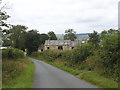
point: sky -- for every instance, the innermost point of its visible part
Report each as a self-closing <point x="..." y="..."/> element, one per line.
<point x="83" y="16"/>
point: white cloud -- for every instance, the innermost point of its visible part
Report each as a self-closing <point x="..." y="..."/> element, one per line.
<point x="58" y="15"/>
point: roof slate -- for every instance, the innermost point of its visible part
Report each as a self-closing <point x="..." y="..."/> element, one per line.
<point x="62" y="42"/>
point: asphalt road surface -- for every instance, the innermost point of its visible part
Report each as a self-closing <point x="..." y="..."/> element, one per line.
<point x="47" y="76"/>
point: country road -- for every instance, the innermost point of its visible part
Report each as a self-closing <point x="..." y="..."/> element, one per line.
<point x="47" y="76"/>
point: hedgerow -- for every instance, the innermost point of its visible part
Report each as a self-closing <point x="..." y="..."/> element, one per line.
<point x="12" y="53"/>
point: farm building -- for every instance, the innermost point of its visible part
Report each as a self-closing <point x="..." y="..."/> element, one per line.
<point x="61" y="44"/>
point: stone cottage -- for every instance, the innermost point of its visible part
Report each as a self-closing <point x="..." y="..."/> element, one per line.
<point x="61" y="44"/>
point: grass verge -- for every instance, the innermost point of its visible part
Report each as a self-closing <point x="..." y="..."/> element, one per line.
<point x="22" y="79"/>
<point x="98" y="80"/>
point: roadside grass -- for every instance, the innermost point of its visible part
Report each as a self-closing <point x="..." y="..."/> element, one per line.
<point x="18" y="73"/>
<point x="98" y="80"/>
<point x="92" y="77"/>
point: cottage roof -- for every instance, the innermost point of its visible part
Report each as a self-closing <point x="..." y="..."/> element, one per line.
<point x="62" y="42"/>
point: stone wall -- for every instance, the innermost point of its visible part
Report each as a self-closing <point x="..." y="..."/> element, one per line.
<point x="52" y="47"/>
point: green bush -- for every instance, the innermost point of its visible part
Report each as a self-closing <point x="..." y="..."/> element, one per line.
<point x="12" y="53"/>
<point x="109" y="54"/>
<point x="51" y="55"/>
<point x="78" y="55"/>
<point x="35" y="54"/>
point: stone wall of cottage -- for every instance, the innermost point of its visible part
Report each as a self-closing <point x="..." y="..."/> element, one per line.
<point x="52" y="47"/>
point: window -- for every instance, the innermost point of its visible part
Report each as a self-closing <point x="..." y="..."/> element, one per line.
<point x="48" y="47"/>
<point x="60" y="47"/>
<point x="41" y="50"/>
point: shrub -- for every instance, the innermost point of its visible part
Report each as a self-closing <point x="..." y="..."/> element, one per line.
<point x="35" y="54"/>
<point x="12" y="53"/>
<point x="109" y="54"/>
<point x="81" y="53"/>
<point x="51" y="55"/>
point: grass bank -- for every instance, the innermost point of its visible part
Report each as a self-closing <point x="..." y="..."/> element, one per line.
<point x="91" y="77"/>
<point x="18" y="73"/>
<point x="98" y="80"/>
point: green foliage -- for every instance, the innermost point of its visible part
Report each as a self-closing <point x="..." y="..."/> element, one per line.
<point x="12" y="53"/>
<point x="82" y="52"/>
<point x="94" y="39"/>
<point x="94" y="63"/>
<point x="103" y="60"/>
<point x="43" y="37"/>
<point x="3" y="18"/>
<point x="52" y="35"/>
<point x="51" y="55"/>
<point x="18" y="73"/>
<point x="109" y="53"/>
<point x="35" y="54"/>
<point x="15" y="36"/>
<point x="32" y="41"/>
<point x="70" y="35"/>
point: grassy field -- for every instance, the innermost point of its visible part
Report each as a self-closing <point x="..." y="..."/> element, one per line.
<point x="18" y="73"/>
<point x="91" y="77"/>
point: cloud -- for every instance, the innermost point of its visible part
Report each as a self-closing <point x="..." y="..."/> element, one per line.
<point x="58" y="15"/>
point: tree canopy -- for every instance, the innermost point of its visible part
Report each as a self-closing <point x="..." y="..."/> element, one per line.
<point x="52" y="35"/>
<point x="70" y="35"/>
<point x="32" y="41"/>
<point x="94" y="39"/>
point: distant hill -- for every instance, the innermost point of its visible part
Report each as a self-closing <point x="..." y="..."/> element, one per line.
<point x="81" y="36"/>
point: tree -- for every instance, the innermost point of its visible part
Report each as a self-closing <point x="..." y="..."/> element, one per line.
<point x="112" y="31"/>
<point x="32" y="41"/>
<point x="3" y="17"/>
<point x="103" y="33"/>
<point x="17" y="35"/>
<point x="43" y="37"/>
<point x="52" y="35"/>
<point x="94" y="39"/>
<point x="109" y="53"/>
<point x="70" y="35"/>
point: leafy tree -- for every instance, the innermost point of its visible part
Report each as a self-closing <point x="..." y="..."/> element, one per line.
<point x="112" y="31"/>
<point x="17" y="35"/>
<point x="94" y="39"/>
<point x="3" y="17"/>
<point x="70" y="35"/>
<point x="110" y="54"/>
<point x="52" y="35"/>
<point x="32" y="41"/>
<point x="43" y="37"/>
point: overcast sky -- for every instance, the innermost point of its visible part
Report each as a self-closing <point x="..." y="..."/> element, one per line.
<point x="83" y="16"/>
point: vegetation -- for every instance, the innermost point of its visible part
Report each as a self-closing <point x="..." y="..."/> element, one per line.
<point x="99" y="56"/>
<point x="3" y="18"/>
<point x="101" y="81"/>
<point x="52" y="35"/>
<point x="102" y="61"/>
<point x="94" y="39"/>
<point x="32" y="41"/>
<point x="17" y="35"/>
<point x="70" y="35"/>
<point x="17" y="73"/>
<point x="12" y="53"/>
